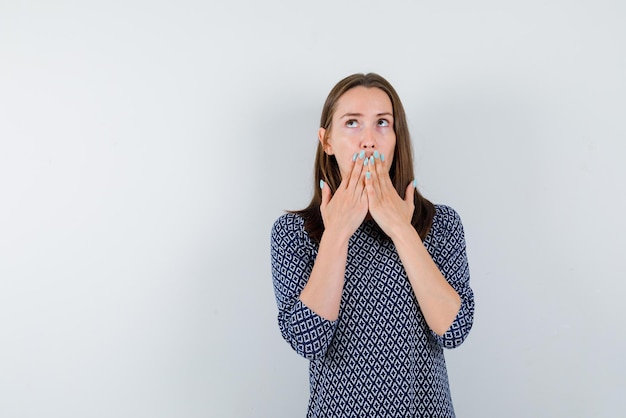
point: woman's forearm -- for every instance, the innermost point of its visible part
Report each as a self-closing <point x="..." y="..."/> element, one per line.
<point x="322" y="293"/>
<point x="438" y="300"/>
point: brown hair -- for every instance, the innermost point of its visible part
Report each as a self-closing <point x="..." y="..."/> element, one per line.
<point x="401" y="170"/>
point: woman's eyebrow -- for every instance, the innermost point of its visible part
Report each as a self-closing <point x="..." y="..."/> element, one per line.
<point x="352" y="115"/>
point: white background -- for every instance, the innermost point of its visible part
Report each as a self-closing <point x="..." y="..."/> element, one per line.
<point x="146" y="147"/>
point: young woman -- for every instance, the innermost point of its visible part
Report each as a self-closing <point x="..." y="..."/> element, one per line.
<point x="371" y="279"/>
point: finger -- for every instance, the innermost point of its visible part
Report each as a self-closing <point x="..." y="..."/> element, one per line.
<point x="325" y="195"/>
<point x="345" y="181"/>
<point x="383" y="174"/>
<point x="379" y="173"/>
<point x="370" y="191"/>
<point x="360" y="176"/>
<point x="373" y="184"/>
<point x="357" y="170"/>
<point x="370" y="177"/>
<point x="376" y="174"/>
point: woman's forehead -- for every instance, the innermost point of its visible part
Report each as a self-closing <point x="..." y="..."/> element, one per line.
<point x="365" y="101"/>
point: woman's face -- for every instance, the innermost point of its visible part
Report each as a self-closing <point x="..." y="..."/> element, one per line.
<point x="363" y="121"/>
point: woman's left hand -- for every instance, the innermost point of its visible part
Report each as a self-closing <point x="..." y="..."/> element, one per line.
<point x="386" y="207"/>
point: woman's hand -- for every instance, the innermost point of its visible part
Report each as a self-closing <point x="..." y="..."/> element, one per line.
<point x="344" y="211"/>
<point x="387" y="208"/>
<point x="342" y="214"/>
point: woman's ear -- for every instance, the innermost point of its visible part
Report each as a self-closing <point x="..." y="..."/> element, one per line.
<point x="321" y="134"/>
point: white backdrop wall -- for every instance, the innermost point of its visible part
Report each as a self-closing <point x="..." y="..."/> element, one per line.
<point x="146" y="147"/>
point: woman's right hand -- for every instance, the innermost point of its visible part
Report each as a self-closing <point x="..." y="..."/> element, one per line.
<point x="344" y="211"/>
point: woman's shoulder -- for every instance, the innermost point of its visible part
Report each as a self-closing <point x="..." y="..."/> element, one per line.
<point x="446" y="220"/>
<point x="289" y="226"/>
<point x="289" y="222"/>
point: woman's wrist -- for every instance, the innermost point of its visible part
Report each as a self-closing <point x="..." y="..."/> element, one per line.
<point x="336" y="237"/>
<point x="401" y="232"/>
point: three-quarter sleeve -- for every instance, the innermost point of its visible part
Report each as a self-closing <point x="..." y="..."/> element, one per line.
<point x="293" y="255"/>
<point x="451" y="258"/>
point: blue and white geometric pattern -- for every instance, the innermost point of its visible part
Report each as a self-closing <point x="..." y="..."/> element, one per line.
<point x="379" y="358"/>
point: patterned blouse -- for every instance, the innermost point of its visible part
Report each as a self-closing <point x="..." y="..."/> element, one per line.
<point x="379" y="358"/>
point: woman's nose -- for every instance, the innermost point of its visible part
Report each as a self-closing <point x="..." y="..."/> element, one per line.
<point x="368" y="141"/>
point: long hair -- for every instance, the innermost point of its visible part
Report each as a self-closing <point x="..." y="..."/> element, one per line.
<point x="400" y="172"/>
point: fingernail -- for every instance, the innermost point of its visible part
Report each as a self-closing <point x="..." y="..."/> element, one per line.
<point x="376" y="154"/>
<point x="382" y="157"/>
<point x="372" y="160"/>
<point x="365" y="161"/>
<point x="368" y="175"/>
<point x="414" y="183"/>
<point x="354" y="156"/>
<point x="362" y="154"/>
<point x="321" y="184"/>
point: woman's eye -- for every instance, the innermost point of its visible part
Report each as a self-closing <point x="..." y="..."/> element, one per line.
<point x="383" y="122"/>
<point x="352" y="123"/>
